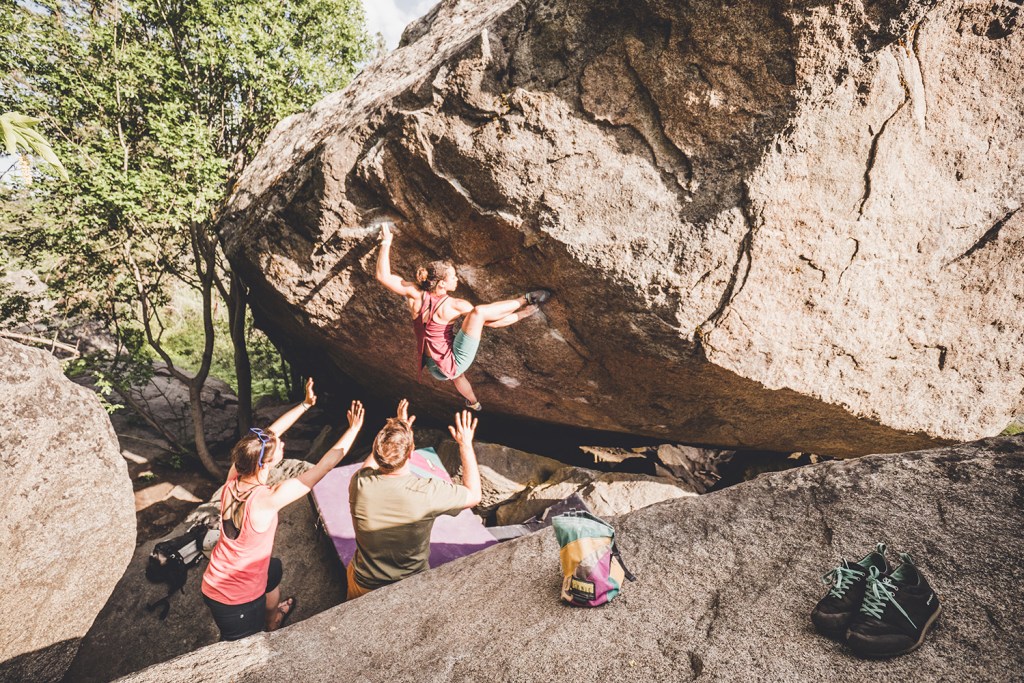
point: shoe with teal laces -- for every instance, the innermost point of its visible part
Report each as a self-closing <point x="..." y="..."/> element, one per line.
<point x="834" y="612"/>
<point x="897" y="612"/>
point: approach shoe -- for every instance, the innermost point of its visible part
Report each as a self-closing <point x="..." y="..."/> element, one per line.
<point x="539" y="296"/>
<point x="834" y="612"/>
<point x="897" y="612"/>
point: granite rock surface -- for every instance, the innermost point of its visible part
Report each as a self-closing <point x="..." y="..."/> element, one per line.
<point x="783" y="226"/>
<point x="606" y="494"/>
<point x="725" y="586"/>
<point x="68" y="526"/>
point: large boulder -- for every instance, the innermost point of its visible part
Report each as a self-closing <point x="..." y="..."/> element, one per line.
<point x="606" y="493"/>
<point x="126" y="637"/>
<point x="781" y="226"/>
<point x="504" y="472"/>
<point x="725" y="585"/>
<point x="68" y="526"/>
<point x="166" y="399"/>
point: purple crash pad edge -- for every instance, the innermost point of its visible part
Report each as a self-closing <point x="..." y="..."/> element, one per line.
<point x="451" y="537"/>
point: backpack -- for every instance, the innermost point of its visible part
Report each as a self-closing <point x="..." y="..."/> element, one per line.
<point x="592" y="569"/>
<point x="170" y="561"/>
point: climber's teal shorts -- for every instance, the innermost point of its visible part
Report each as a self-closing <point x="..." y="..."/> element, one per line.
<point x="464" y="349"/>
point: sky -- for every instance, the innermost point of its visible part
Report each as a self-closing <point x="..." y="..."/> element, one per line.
<point x="390" y="17"/>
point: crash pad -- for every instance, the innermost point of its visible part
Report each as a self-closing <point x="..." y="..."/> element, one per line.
<point x="451" y="537"/>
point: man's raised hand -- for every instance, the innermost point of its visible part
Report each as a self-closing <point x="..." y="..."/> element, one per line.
<point x="385" y="234"/>
<point x="465" y="427"/>
<point x="403" y="412"/>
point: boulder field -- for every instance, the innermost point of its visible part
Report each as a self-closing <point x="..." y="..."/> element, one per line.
<point x="784" y="226"/>
<point x="725" y="585"/>
<point x="68" y="527"/>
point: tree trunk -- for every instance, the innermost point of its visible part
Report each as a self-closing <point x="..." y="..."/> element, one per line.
<point x="204" y="250"/>
<point x="296" y="388"/>
<point x="243" y="368"/>
<point x="195" y="400"/>
<point x="204" y="256"/>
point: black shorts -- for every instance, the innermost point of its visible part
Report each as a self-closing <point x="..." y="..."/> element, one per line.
<point x="239" y="621"/>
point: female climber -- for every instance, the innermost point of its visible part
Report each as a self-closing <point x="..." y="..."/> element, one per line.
<point x="445" y="348"/>
<point x="240" y="585"/>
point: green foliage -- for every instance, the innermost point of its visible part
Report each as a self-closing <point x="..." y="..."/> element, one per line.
<point x="19" y="134"/>
<point x="155" y="108"/>
<point x="105" y="389"/>
<point x="271" y="374"/>
<point x="184" y="339"/>
<point x="1014" y="428"/>
<point x="173" y="460"/>
<point x="15" y="306"/>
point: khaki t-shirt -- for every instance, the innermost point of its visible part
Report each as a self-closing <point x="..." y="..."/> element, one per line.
<point x="393" y="517"/>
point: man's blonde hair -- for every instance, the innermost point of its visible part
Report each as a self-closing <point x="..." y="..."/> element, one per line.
<point x="393" y="445"/>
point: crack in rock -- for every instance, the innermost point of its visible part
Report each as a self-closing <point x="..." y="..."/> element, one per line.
<point x="813" y="266"/>
<point x="856" y="250"/>
<point x="736" y="283"/>
<point x="873" y="153"/>
<point x="990" y="236"/>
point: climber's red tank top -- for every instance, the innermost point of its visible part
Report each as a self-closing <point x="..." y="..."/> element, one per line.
<point x="433" y="337"/>
<point x="238" y="567"/>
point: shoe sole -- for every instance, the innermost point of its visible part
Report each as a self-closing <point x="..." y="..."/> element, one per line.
<point x="838" y="635"/>
<point x="920" y="641"/>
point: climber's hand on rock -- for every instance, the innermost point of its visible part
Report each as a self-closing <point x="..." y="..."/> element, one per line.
<point x="385" y="234"/>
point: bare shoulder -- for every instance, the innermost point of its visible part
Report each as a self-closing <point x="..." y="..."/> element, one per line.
<point x="455" y="307"/>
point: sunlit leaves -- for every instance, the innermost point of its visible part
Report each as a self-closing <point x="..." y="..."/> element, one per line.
<point x="19" y="135"/>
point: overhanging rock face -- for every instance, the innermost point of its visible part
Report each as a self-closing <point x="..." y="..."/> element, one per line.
<point x="787" y="226"/>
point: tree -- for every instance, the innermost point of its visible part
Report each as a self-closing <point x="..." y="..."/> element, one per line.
<point x="156" y="107"/>
<point x="20" y="138"/>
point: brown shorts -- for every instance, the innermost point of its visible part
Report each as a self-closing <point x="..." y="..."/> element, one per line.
<point x="354" y="589"/>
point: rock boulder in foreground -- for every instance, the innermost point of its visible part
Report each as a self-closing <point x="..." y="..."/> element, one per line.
<point x="68" y="527"/>
<point x="782" y="226"/>
<point x="725" y="587"/>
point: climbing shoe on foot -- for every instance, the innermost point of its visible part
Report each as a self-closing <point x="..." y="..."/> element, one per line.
<point x="897" y="612"/>
<point x="833" y="613"/>
<point x="476" y="407"/>
<point x="538" y="297"/>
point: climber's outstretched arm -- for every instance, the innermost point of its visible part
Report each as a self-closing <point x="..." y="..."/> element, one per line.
<point x="384" y="274"/>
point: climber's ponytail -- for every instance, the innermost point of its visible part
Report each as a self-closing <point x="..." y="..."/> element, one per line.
<point x="427" y="277"/>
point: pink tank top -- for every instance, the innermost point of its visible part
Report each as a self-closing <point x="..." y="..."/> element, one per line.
<point x="238" y="567"/>
<point x="433" y="337"/>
